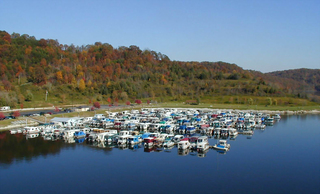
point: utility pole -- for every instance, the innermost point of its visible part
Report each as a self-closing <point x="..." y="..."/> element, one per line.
<point x="46" y="95"/>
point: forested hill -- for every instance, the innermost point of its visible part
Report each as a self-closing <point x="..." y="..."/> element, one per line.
<point x="304" y="78"/>
<point x="100" y="71"/>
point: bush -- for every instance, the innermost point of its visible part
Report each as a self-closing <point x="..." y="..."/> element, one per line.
<point x="29" y="96"/>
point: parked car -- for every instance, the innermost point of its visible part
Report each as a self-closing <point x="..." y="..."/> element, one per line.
<point x="67" y="110"/>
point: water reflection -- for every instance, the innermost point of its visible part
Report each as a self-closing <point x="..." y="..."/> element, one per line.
<point x="135" y="147"/>
<point x="222" y="151"/>
<point x="15" y="148"/>
<point x="183" y="152"/>
<point x="81" y="140"/>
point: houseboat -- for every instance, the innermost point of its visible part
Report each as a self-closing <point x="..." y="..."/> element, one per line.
<point x="184" y="144"/>
<point x="190" y="129"/>
<point x="134" y="140"/>
<point x="202" y="144"/>
<point x="123" y="139"/>
<point x="177" y="138"/>
<point x="29" y="130"/>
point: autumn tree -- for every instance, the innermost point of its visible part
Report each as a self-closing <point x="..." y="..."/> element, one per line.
<point x="96" y="104"/>
<point x="16" y="114"/>
<point x="59" y="76"/>
<point x="128" y="103"/>
<point x="40" y="76"/>
<point x="2" y="116"/>
<point x="138" y="101"/>
<point x="82" y="85"/>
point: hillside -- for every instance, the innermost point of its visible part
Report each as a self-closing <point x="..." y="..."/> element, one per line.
<point x="306" y="80"/>
<point x="30" y="67"/>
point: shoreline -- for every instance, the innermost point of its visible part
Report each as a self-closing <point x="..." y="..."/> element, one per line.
<point x="281" y="112"/>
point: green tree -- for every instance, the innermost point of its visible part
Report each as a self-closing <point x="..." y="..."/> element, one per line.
<point x="29" y="96"/>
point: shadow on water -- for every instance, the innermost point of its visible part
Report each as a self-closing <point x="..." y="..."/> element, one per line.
<point x="17" y="148"/>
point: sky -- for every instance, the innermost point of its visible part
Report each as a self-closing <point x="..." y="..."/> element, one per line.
<point x="261" y="35"/>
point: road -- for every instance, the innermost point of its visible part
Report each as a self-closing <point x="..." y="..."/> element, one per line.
<point x="29" y="112"/>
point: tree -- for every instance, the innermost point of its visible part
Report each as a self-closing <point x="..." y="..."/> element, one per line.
<point x="138" y="101"/>
<point x="59" y="76"/>
<point x="82" y="85"/>
<point x="16" y="114"/>
<point x="128" y="103"/>
<point x="56" y="109"/>
<point x="40" y="76"/>
<point x="124" y="96"/>
<point x="29" y="96"/>
<point x="2" y="115"/>
<point x="96" y="104"/>
<point x="7" y="85"/>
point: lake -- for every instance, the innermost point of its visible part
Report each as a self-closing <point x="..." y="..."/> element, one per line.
<point x="283" y="158"/>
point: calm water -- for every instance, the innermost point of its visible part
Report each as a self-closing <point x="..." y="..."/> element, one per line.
<point x="284" y="158"/>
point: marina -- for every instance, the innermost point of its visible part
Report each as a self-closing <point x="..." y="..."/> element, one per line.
<point x="151" y="127"/>
<point x="148" y="152"/>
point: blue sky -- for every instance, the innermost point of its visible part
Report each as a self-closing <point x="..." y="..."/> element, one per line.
<point x="262" y="35"/>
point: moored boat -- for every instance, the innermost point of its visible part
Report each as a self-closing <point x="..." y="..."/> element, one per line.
<point x="222" y="145"/>
<point x="29" y="130"/>
<point x="202" y="144"/>
<point x="184" y="144"/>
